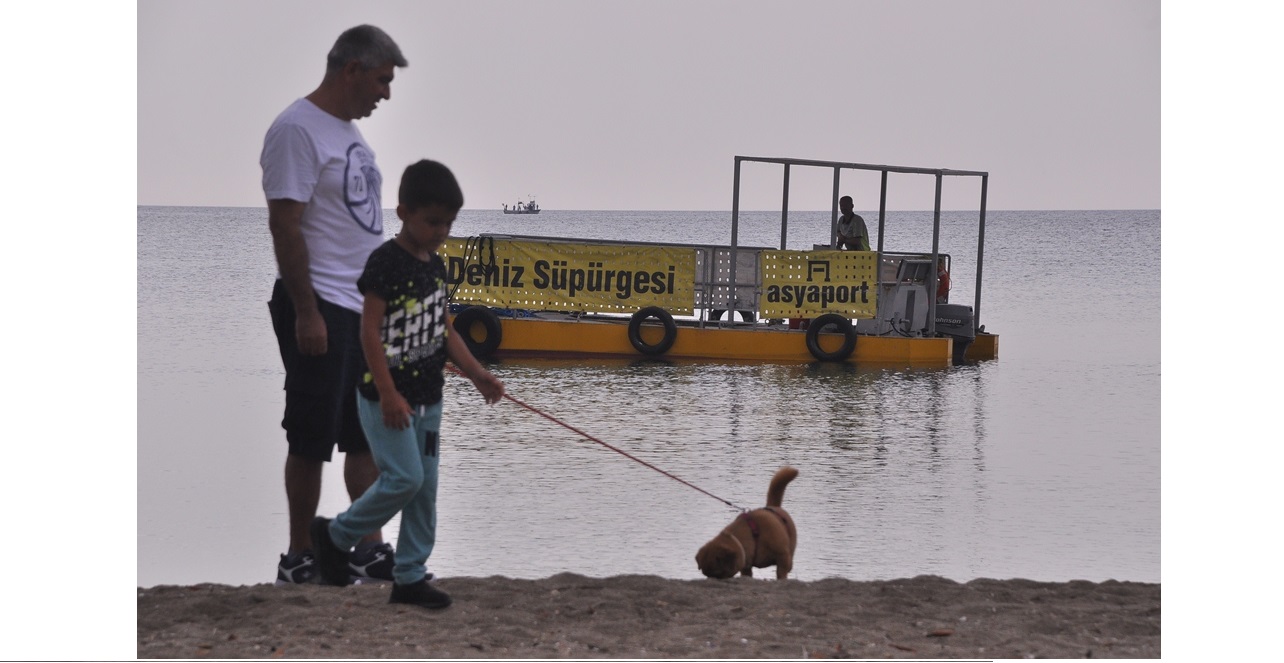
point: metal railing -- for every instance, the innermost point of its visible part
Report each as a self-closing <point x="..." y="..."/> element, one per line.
<point x="838" y="166"/>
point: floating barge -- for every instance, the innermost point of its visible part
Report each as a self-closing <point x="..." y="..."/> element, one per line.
<point x="530" y="296"/>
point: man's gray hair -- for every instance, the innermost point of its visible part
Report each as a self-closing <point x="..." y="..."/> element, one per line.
<point x="365" y="44"/>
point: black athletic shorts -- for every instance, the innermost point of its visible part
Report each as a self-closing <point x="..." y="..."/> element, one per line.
<point x="320" y="390"/>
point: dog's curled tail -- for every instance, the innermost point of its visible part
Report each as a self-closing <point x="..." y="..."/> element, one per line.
<point x="776" y="490"/>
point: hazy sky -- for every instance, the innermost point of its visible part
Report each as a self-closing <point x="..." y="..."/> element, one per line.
<point x="643" y="105"/>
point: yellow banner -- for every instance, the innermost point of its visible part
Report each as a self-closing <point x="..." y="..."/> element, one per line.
<point x="807" y="284"/>
<point x="561" y="276"/>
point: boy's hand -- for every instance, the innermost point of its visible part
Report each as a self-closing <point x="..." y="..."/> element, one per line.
<point x="489" y="386"/>
<point x="396" y="411"/>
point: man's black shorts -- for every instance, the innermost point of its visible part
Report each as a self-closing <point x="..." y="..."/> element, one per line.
<point x="320" y="390"/>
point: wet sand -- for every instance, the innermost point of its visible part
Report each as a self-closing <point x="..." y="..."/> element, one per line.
<point x="639" y="616"/>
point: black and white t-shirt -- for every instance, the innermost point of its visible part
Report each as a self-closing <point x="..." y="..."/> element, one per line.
<point x="414" y="326"/>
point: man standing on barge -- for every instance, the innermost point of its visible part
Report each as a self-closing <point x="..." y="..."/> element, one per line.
<point x="852" y="233"/>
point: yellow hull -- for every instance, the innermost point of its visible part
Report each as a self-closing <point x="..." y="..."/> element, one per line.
<point x="986" y="346"/>
<point x="536" y="337"/>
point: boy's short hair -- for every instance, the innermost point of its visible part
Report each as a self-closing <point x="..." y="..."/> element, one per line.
<point x="429" y="182"/>
<point x="845" y="199"/>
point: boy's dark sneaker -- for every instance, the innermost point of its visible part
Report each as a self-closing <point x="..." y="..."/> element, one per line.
<point x="371" y="562"/>
<point x="332" y="561"/>
<point x="296" y="569"/>
<point x="421" y="594"/>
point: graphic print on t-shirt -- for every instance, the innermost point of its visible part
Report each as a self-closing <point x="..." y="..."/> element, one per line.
<point x="414" y="329"/>
<point x="362" y="186"/>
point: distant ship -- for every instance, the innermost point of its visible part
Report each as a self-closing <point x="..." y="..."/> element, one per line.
<point x="522" y="208"/>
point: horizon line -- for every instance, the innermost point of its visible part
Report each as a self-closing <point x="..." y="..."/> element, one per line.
<point x="728" y="210"/>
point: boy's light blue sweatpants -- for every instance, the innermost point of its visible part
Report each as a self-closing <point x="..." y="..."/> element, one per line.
<point x="407" y="461"/>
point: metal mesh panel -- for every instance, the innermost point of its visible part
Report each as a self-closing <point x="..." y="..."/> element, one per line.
<point x="747" y="278"/>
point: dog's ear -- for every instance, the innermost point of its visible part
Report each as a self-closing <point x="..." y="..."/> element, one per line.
<point x="720" y="562"/>
<point x="705" y="556"/>
<point x="711" y="560"/>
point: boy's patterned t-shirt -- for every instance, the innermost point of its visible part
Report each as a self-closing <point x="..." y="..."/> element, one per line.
<point x="413" y="330"/>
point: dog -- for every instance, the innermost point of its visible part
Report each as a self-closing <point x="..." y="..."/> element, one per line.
<point x="758" y="538"/>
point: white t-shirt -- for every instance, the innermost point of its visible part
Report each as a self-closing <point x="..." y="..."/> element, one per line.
<point x="314" y="157"/>
<point x="853" y="227"/>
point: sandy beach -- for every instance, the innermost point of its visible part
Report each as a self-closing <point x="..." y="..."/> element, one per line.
<point x="647" y="617"/>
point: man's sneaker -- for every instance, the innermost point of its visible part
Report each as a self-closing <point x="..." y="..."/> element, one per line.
<point x="371" y="562"/>
<point x="296" y="569"/>
<point x="332" y="561"/>
<point x="421" y="594"/>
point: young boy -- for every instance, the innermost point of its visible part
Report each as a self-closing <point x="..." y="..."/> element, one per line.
<point x="405" y="338"/>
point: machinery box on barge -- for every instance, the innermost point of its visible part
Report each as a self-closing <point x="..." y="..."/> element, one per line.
<point x="521" y="295"/>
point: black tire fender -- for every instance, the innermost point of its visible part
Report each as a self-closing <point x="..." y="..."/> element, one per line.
<point x="635" y="330"/>
<point x="466" y="322"/>
<point x="845" y="327"/>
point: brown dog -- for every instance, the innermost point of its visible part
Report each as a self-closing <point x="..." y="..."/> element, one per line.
<point x="760" y="538"/>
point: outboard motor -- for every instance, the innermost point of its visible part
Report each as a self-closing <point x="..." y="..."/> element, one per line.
<point x="956" y="320"/>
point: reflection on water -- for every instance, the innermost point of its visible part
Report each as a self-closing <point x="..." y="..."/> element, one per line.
<point x="894" y="467"/>
<point x="1043" y="464"/>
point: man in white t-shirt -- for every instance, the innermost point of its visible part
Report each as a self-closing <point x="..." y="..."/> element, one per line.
<point x="324" y="210"/>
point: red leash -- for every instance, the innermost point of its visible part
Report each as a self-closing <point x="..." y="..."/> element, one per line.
<point x="559" y="422"/>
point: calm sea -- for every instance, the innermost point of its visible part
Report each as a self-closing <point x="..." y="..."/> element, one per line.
<point x="1043" y="464"/>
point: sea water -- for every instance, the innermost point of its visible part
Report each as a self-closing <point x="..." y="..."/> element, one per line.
<point x="1042" y="464"/>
